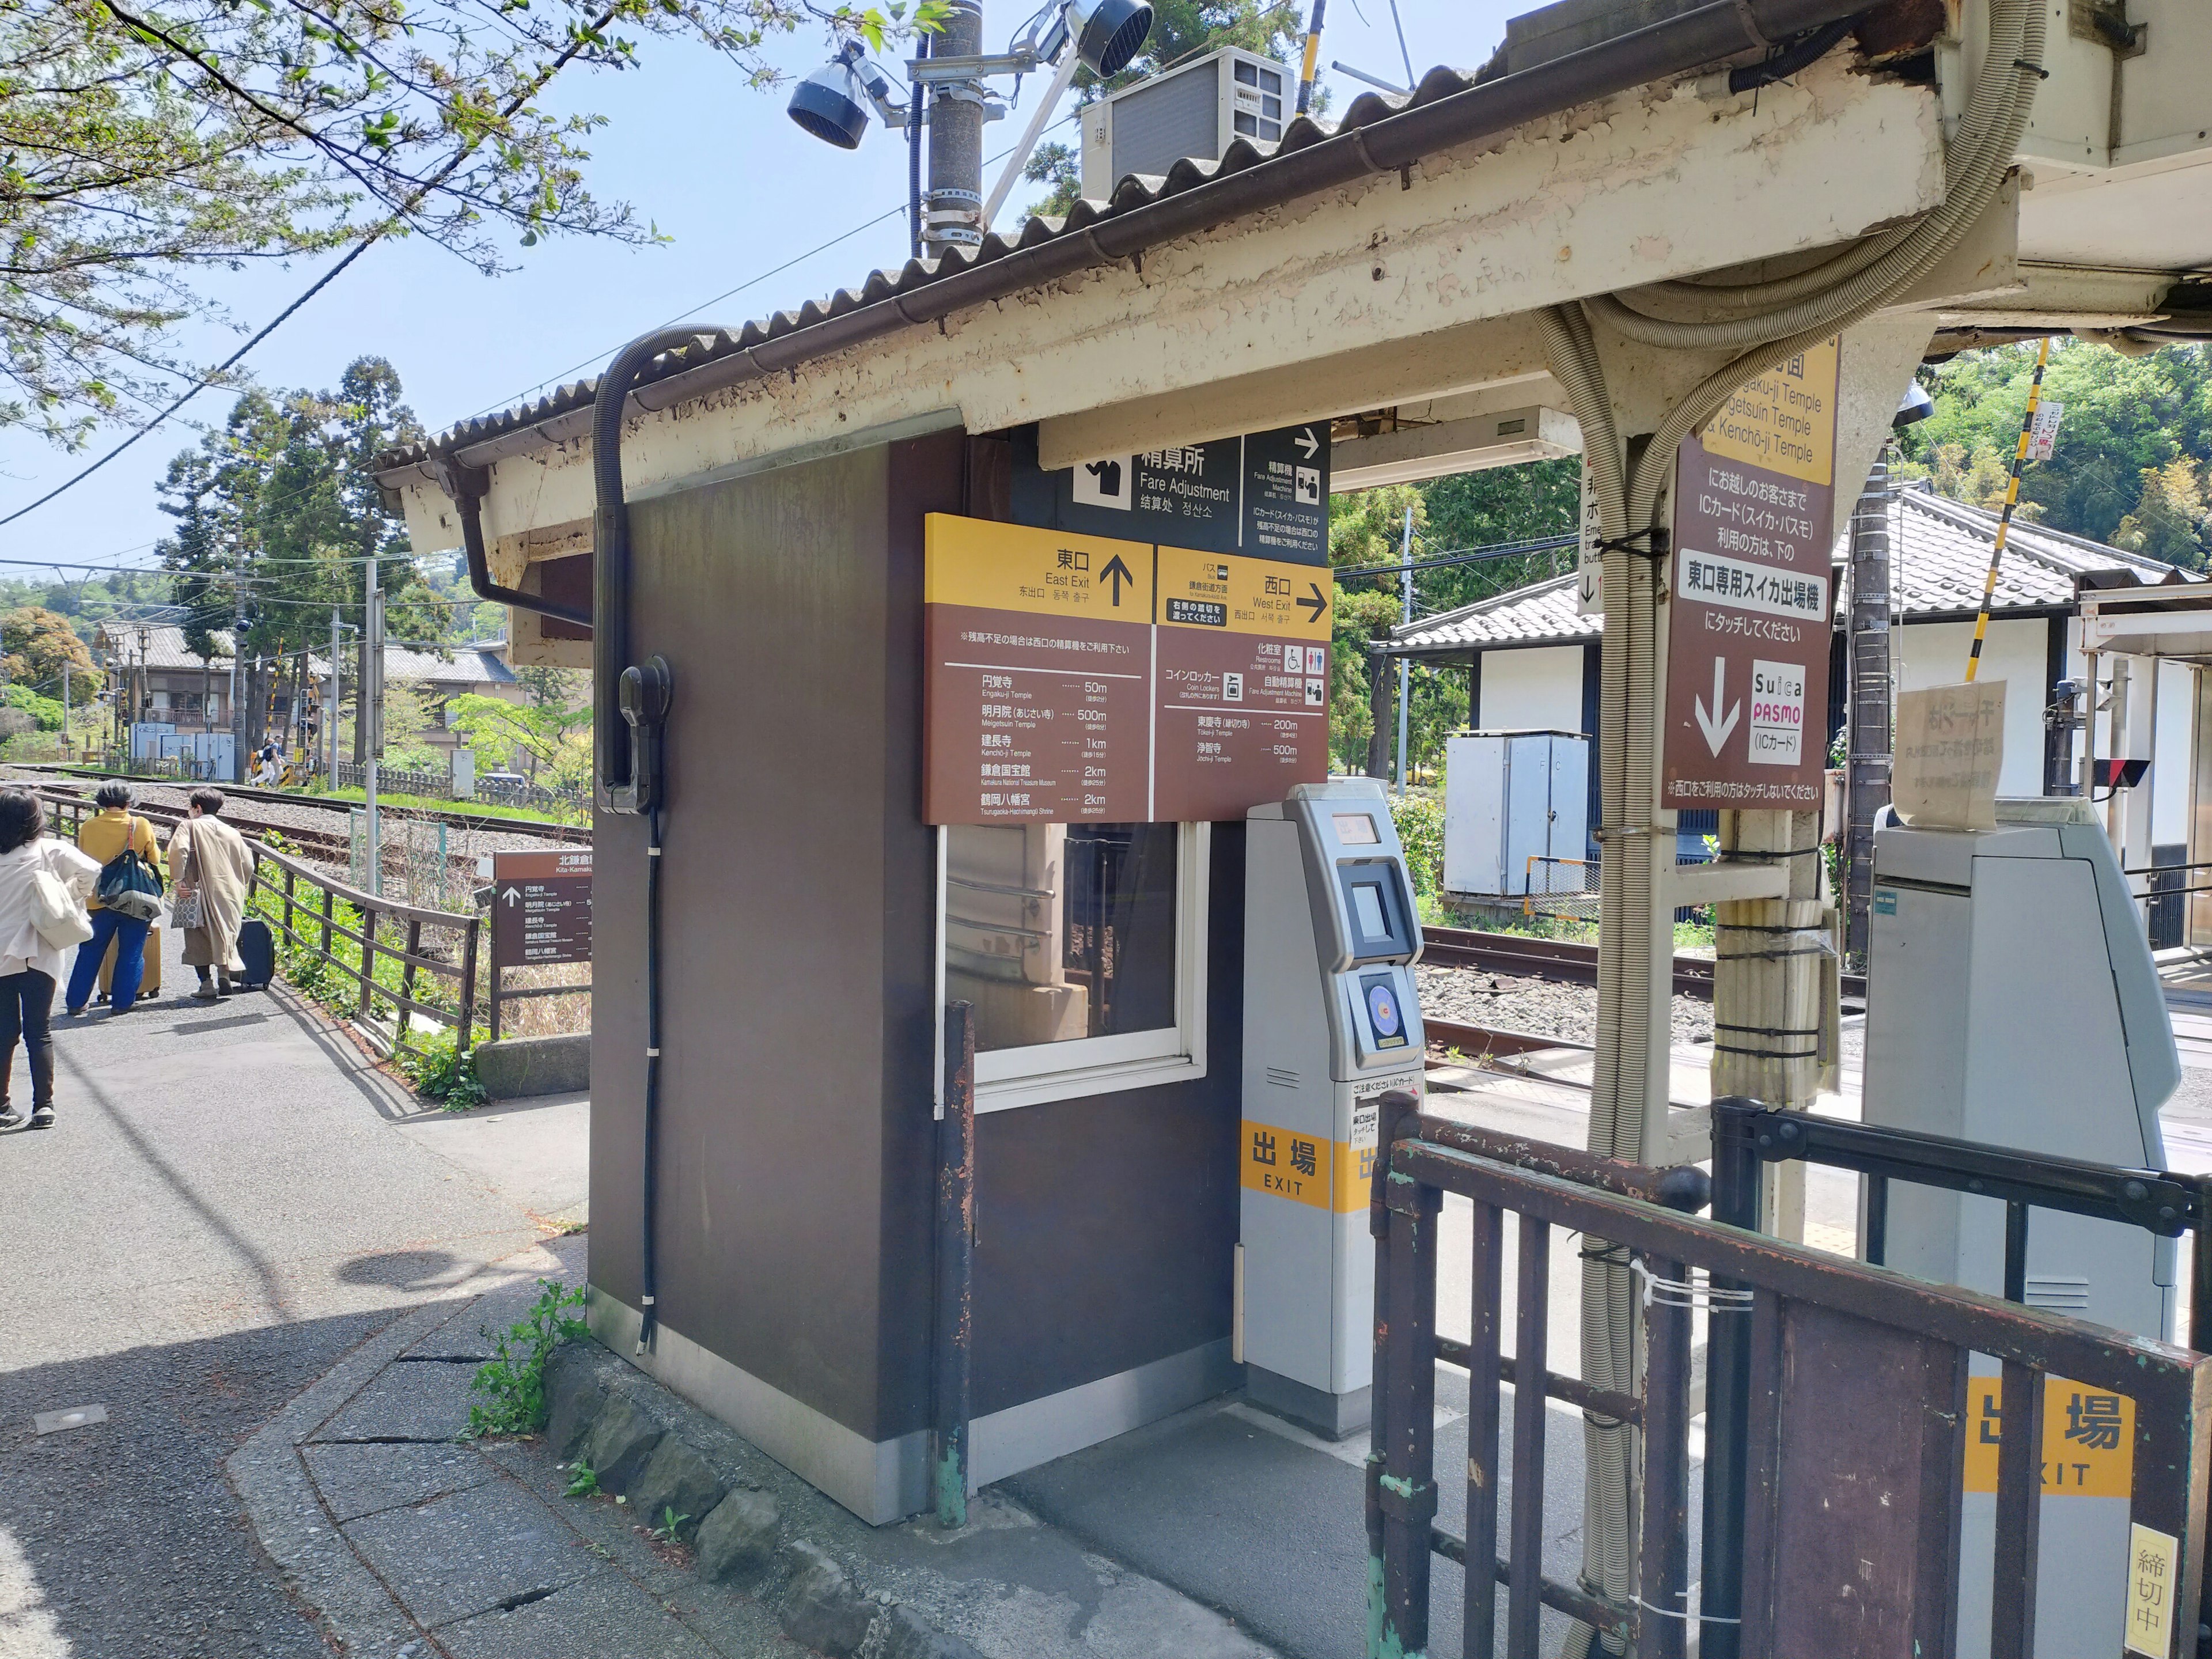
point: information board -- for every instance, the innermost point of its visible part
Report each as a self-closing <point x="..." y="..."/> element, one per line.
<point x="1264" y="495"/>
<point x="1081" y="678"/>
<point x="541" y="908"/>
<point x="1243" y="694"/>
<point x="1751" y="601"/>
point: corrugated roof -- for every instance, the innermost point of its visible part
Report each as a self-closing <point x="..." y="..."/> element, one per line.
<point x="163" y="647"/>
<point x="1939" y="558"/>
<point x="1134" y="193"/>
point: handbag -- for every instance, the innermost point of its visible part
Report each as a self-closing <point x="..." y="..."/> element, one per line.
<point x="189" y="908"/>
<point x="55" y="912"/>
<point x="130" y="886"/>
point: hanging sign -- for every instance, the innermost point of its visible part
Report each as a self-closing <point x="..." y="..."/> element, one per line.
<point x="1751" y="600"/>
<point x="1082" y="678"/>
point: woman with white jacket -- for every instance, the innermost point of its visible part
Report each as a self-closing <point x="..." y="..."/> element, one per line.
<point x="30" y="966"/>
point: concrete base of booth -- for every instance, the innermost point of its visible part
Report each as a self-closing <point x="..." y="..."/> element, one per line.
<point x="886" y="1480"/>
<point x="1332" y="1416"/>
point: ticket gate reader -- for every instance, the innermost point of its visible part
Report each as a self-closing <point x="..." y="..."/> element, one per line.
<point x="2012" y="1001"/>
<point x="1331" y="1022"/>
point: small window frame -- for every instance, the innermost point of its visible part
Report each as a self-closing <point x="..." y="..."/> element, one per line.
<point x="1010" y="1078"/>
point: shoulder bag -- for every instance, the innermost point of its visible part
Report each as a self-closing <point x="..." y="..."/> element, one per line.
<point x="128" y="884"/>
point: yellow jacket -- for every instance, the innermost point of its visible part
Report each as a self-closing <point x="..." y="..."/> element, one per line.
<point x="103" y="837"/>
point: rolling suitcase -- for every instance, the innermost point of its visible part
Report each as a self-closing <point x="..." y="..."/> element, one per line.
<point x="150" y="986"/>
<point x="257" y="949"/>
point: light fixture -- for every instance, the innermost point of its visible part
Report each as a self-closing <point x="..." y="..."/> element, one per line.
<point x="832" y="103"/>
<point x="1914" y="407"/>
<point x="1108" y="33"/>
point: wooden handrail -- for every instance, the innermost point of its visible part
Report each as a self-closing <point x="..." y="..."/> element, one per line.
<point x="359" y="900"/>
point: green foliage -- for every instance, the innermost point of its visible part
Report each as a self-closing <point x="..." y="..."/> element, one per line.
<point x="441" y="1072"/>
<point x="39" y="643"/>
<point x="555" y="735"/>
<point x="583" y="1480"/>
<point x="1418" y="815"/>
<point x="513" y="1381"/>
<point x="670" y="1524"/>
<point x="148" y="142"/>
<point x="2128" y="421"/>
<point x="45" y="711"/>
<point x="1181" y="30"/>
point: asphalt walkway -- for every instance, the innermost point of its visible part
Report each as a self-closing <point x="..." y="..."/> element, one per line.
<point x="233" y="1199"/>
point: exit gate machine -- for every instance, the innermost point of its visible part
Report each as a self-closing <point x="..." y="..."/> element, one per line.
<point x="1331" y="1021"/>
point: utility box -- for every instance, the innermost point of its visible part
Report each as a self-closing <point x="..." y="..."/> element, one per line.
<point x="2012" y="1001"/>
<point x="1517" y="813"/>
<point x="1332" y="1023"/>
<point x="1196" y="112"/>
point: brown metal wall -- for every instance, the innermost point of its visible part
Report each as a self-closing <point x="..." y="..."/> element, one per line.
<point x="798" y="913"/>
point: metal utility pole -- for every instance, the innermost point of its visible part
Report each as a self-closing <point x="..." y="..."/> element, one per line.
<point x="1404" y="619"/>
<point x="330" y="707"/>
<point x="1313" y="56"/>
<point x="371" y="716"/>
<point x="237" y="674"/>
<point x="953" y="211"/>
<point x="1866" y="782"/>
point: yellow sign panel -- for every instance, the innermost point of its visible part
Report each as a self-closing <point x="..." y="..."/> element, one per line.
<point x="1328" y="1174"/>
<point x="1045" y="573"/>
<point x="2154" y="1573"/>
<point x="1785" y="420"/>
<point x="2088" y="1439"/>
<point x="1244" y="596"/>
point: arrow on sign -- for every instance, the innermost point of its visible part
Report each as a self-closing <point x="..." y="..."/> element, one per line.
<point x="1116" y="573"/>
<point x="1717" y="732"/>
<point x="512" y="893"/>
<point x="1317" y="605"/>
<point x="1311" y="445"/>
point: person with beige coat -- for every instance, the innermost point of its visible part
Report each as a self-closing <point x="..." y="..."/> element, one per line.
<point x="210" y="872"/>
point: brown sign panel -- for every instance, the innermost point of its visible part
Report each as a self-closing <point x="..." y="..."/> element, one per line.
<point x="1243" y="683"/>
<point x="1038" y="685"/>
<point x="541" y="908"/>
<point x="1751" y="600"/>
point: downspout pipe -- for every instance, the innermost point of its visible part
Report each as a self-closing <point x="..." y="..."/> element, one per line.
<point x="468" y="485"/>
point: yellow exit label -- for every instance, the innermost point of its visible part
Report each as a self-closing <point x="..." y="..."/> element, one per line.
<point x="2089" y="1439"/>
<point x="1785" y="419"/>
<point x="1328" y="1174"/>
<point x="1045" y="573"/>
<point x="1244" y="596"/>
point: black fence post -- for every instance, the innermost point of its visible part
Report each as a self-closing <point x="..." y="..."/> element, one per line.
<point x="2200" y="1277"/>
<point x="1395" y="1113"/>
<point x="956" y="1268"/>
<point x="1737" y="1178"/>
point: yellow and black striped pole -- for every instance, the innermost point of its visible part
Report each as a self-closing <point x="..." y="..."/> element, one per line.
<point x="2011" y="500"/>
<point x="1313" y="57"/>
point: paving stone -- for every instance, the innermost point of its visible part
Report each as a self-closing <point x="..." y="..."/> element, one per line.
<point x="604" y="1616"/>
<point x="574" y="1393"/>
<point x="469" y="1552"/>
<point x="902" y="1633"/>
<point x="358" y="1481"/>
<point x="677" y="1478"/>
<point x="818" y="1607"/>
<point x="737" y="1541"/>
<point x="622" y="1443"/>
<point x="407" y="1402"/>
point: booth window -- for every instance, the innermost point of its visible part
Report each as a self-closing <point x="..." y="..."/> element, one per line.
<point x="1081" y="947"/>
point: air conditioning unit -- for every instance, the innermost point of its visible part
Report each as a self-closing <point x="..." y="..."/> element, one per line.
<point x="1197" y="111"/>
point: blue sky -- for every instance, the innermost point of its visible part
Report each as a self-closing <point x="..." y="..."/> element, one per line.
<point x="718" y="170"/>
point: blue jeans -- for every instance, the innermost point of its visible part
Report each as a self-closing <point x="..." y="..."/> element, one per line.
<point x="129" y="939"/>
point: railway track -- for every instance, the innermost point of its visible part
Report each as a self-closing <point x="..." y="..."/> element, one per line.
<point x="574" y="835"/>
<point x="1566" y="960"/>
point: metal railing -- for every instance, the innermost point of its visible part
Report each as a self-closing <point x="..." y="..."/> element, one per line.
<point x="391" y="781"/>
<point x="312" y="920"/>
<point x="1842" y="1513"/>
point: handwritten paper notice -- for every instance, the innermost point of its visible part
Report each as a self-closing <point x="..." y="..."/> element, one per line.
<point x="1950" y="743"/>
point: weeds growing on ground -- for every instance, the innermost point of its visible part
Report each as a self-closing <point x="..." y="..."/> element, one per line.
<point x="670" y="1522"/>
<point x="513" y="1381"/>
<point x="583" y="1479"/>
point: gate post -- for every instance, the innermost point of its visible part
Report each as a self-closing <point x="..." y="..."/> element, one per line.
<point x="1395" y="1113"/>
<point x="1406" y="1481"/>
<point x="1736" y="1181"/>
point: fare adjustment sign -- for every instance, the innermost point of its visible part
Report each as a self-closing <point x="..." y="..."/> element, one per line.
<point x="1083" y="679"/>
<point x="1751" y="600"/>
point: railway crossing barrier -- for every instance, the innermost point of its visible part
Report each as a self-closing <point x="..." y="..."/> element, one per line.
<point x="1832" y="1525"/>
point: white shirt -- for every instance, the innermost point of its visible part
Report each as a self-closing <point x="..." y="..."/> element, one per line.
<point x="21" y="944"/>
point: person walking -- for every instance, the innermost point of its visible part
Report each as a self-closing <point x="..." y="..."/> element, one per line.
<point x="103" y="838"/>
<point x="211" y="868"/>
<point x="31" y="964"/>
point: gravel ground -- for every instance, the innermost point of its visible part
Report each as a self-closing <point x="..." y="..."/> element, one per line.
<point x="1515" y="1002"/>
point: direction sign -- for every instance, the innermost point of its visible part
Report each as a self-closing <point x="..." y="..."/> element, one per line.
<point x="1751" y="601"/>
<point x="1039" y="691"/>
<point x="1243" y="697"/>
<point x="1265" y="494"/>
<point x="541" y="908"/>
